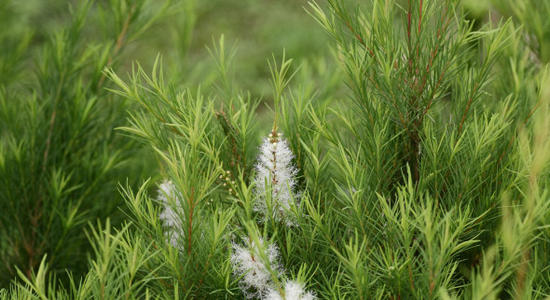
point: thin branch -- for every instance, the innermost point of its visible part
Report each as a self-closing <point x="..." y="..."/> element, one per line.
<point x="467" y="109"/>
<point x="119" y="43"/>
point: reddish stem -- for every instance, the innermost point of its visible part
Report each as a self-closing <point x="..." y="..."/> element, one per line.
<point x="359" y="38"/>
<point x="467" y="108"/>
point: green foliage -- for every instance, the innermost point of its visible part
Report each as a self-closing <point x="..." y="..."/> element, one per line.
<point x="533" y="15"/>
<point x="419" y="165"/>
<point x="61" y="160"/>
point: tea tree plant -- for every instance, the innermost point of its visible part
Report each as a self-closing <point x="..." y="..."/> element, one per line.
<point x="418" y="169"/>
<point x="60" y="160"/>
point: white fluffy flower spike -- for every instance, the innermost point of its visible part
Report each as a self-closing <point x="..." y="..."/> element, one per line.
<point x="248" y="263"/>
<point x="170" y="199"/>
<point x="293" y="291"/>
<point x="275" y="170"/>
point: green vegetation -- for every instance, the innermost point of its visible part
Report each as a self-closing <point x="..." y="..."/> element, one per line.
<point x="275" y="149"/>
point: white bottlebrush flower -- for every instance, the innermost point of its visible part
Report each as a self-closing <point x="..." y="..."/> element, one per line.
<point x="293" y="291"/>
<point x="247" y="263"/>
<point x="170" y="199"/>
<point x="275" y="169"/>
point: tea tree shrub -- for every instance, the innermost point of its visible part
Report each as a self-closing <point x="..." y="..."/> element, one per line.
<point x="60" y="160"/>
<point x="410" y="163"/>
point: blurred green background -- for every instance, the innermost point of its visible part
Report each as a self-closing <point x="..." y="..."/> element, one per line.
<point x="255" y="28"/>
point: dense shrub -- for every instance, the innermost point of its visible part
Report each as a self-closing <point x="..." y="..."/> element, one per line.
<point x="409" y="160"/>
